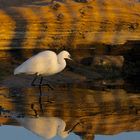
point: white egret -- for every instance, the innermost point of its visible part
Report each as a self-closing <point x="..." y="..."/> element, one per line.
<point x="46" y="127"/>
<point x="45" y="63"/>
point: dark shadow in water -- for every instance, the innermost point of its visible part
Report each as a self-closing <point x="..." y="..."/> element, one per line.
<point x="14" y="94"/>
<point x="19" y="33"/>
<point x="17" y="3"/>
<point x="131" y="68"/>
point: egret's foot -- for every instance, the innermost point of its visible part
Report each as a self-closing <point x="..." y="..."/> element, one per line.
<point x="49" y="86"/>
<point x="35" y="111"/>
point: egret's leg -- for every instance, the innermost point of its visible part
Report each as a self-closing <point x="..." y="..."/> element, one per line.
<point x="49" y="86"/>
<point x="41" y="79"/>
<point x="33" y="82"/>
<point x="46" y="84"/>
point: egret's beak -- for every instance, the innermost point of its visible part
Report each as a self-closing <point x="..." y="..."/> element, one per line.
<point x="73" y="127"/>
<point x="70" y="58"/>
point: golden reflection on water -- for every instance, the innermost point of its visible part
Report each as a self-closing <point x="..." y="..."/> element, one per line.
<point x="68" y="25"/>
<point x="99" y="112"/>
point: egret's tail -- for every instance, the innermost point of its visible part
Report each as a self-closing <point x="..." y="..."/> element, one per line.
<point x="18" y="70"/>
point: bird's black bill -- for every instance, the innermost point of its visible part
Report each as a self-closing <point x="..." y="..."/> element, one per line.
<point x="73" y="127"/>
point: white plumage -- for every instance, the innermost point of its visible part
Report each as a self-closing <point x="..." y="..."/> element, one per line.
<point x="44" y="63"/>
<point x="46" y="127"/>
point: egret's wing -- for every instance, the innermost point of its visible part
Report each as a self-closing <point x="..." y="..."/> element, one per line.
<point x="40" y="63"/>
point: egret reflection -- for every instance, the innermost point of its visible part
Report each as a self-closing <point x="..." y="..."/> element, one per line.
<point x="46" y="127"/>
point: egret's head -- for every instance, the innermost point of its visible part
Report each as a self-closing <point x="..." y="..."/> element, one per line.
<point x="64" y="134"/>
<point x="65" y="55"/>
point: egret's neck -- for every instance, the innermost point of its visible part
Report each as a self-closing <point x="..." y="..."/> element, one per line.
<point x="61" y="62"/>
<point x="61" y="130"/>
